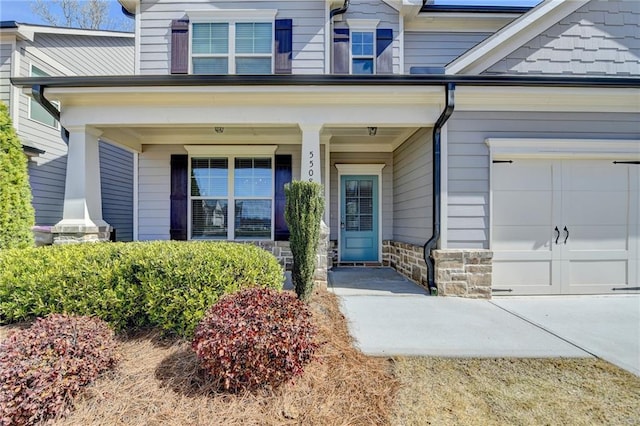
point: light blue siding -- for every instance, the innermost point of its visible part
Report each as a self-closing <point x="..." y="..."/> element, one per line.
<point x="116" y="178"/>
<point x="437" y="49"/>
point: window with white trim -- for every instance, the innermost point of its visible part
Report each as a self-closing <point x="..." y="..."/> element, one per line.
<point x="37" y="111"/>
<point x="231" y="197"/>
<point x="363" y="52"/>
<point x="232" y="47"/>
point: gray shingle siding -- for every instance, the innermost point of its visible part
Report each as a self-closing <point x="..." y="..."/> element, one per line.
<point x="5" y="72"/>
<point x="600" y="38"/>
<point x="468" y="158"/>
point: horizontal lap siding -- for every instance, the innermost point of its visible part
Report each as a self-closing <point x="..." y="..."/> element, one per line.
<point x="154" y="191"/>
<point x="116" y="178"/>
<point x="468" y="158"/>
<point x="600" y="38"/>
<point x="5" y="72"/>
<point x="437" y="49"/>
<point x="308" y="30"/>
<point x="86" y="55"/>
<point x="413" y="189"/>
<point x="387" y="187"/>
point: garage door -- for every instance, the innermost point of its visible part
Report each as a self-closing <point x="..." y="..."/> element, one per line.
<point x="565" y="226"/>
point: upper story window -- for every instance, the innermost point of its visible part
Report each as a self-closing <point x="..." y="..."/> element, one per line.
<point x="362" y="48"/>
<point x="362" y="52"/>
<point x="37" y="111"/>
<point x="232" y="48"/>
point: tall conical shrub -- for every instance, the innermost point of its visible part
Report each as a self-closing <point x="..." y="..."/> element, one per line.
<point x="303" y="213"/>
<point x="16" y="212"/>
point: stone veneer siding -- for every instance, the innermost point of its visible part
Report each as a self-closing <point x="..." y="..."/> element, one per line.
<point x="464" y="273"/>
<point x="406" y="259"/>
<point x="73" y="234"/>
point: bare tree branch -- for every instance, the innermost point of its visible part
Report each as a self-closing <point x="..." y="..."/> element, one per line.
<point x="88" y="14"/>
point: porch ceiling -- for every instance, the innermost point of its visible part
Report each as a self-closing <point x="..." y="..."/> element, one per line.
<point x="340" y="139"/>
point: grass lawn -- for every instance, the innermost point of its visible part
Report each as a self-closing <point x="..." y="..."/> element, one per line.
<point x="158" y="383"/>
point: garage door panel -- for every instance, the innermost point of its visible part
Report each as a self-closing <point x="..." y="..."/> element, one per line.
<point x="598" y="239"/>
<point x="517" y="238"/>
<point x="595" y="207"/>
<point x="530" y="274"/>
<point x="525" y="208"/>
<point x="522" y="175"/>
<point x="595" y="175"/>
<point x="605" y="273"/>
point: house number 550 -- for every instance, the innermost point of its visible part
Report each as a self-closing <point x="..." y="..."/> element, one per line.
<point x="310" y="166"/>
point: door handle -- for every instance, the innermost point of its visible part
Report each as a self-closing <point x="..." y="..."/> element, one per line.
<point x="557" y="234"/>
<point x="566" y="234"/>
<point x="341" y="225"/>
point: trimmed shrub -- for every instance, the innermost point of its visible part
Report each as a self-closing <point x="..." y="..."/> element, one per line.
<point x="168" y="284"/>
<point x="17" y="216"/>
<point x="255" y="338"/>
<point x="44" y="366"/>
<point x="303" y="213"/>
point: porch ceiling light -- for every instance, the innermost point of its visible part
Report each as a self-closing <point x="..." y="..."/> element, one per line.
<point x="218" y="130"/>
<point x="372" y="131"/>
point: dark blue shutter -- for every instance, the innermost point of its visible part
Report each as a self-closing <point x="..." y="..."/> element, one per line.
<point x="178" y="214"/>
<point x="282" y="176"/>
<point x="341" y="55"/>
<point x="180" y="46"/>
<point x="283" y="46"/>
<point x="384" y="51"/>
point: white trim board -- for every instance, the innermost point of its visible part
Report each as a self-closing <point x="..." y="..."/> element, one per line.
<point x="564" y="148"/>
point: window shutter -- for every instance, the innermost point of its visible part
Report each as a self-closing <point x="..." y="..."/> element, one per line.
<point x="341" y="55"/>
<point x="384" y="51"/>
<point x="283" y="46"/>
<point x="283" y="176"/>
<point x="178" y="220"/>
<point x="180" y="46"/>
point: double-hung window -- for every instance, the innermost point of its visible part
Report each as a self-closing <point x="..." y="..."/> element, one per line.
<point x="231" y="197"/>
<point x="227" y="45"/>
<point x="37" y="111"/>
<point x="362" y="52"/>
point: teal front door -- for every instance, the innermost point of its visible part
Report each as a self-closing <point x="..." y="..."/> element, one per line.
<point x="359" y="218"/>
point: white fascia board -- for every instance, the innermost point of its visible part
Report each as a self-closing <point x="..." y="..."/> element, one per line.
<point x="28" y="32"/>
<point x="513" y="36"/>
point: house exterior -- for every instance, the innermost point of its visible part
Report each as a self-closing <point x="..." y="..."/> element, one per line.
<point x="37" y="51"/>
<point x="476" y="150"/>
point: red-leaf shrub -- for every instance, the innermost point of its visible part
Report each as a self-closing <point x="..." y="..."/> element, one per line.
<point x="44" y="366"/>
<point x="254" y="338"/>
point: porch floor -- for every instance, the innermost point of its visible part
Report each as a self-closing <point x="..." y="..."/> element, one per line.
<point x="382" y="281"/>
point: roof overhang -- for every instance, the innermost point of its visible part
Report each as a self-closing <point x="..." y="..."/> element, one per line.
<point x="28" y="31"/>
<point x="130" y="5"/>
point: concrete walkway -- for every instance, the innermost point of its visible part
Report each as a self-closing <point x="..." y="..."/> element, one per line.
<point x="389" y="315"/>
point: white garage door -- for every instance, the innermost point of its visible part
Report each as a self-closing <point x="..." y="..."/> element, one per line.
<point x="565" y="226"/>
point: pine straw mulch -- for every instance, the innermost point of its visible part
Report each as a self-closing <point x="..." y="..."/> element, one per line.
<point x="158" y="383"/>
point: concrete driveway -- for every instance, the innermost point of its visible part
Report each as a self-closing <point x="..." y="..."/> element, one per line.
<point x="389" y="315"/>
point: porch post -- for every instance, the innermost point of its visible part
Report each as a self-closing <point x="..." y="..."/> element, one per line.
<point x="82" y="211"/>
<point x="310" y="166"/>
<point x="310" y="171"/>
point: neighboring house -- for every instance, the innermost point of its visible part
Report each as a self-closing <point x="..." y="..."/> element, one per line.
<point x="500" y="144"/>
<point x="38" y="51"/>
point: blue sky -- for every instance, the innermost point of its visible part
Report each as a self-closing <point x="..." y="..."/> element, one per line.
<point x="20" y="10"/>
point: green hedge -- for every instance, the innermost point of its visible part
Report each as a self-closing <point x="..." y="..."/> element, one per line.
<point x="167" y="284"/>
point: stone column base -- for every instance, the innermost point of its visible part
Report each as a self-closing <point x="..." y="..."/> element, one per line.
<point x="322" y="258"/>
<point x="465" y="273"/>
<point x="73" y="234"/>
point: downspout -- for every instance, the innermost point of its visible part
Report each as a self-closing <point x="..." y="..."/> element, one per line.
<point x="430" y="245"/>
<point x="339" y="10"/>
<point x="37" y="91"/>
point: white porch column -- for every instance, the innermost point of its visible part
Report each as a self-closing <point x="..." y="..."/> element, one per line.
<point x="82" y="212"/>
<point x="310" y="166"/>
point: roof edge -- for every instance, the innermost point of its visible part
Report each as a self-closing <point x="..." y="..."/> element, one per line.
<point x="30" y="29"/>
<point x="323" y="80"/>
